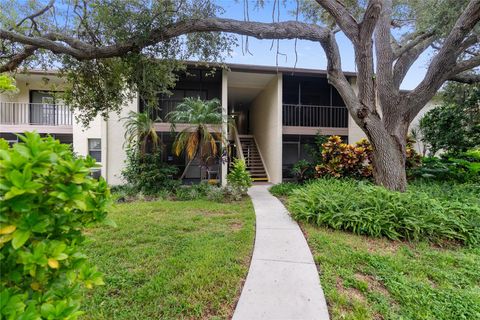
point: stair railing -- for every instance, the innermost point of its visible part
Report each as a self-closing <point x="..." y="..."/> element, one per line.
<point x="238" y="144"/>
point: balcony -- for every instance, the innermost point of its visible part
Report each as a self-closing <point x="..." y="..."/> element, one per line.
<point x="165" y="106"/>
<point x="42" y="117"/>
<point x="295" y="115"/>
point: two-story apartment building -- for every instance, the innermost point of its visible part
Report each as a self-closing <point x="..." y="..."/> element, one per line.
<point x="276" y="112"/>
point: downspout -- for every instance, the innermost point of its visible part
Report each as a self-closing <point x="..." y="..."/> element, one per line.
<point x="105" y="150"/>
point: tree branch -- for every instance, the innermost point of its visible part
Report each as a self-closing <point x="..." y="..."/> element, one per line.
<point x="17" y="59"/>
<point x="465" y="65"/>
<point x="37" y="14"/>
<point x="440" y="67"/>
<point x="384" y="53"/>
<point x="364" y="57"/>
<point x="342" y="17"/>
<point x="406" y="60"/>
<point x="63" y="44"/>
<point x="469" y="78"/>
<point x="410" y="44"/>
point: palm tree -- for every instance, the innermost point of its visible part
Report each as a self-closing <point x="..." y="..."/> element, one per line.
<point x="139" y="130"/>
<point x="199" y="137"/>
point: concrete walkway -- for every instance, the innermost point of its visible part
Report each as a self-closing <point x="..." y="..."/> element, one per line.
<point x="283" y="281"/>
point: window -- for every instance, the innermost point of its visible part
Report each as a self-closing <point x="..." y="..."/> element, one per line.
<point x="95" y="149"/>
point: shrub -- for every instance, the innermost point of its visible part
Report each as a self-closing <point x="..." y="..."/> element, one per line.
<point x="454" y="126"/>
<point x="345" y="160"/>
<point x="463" y="167"/>
<point x="363" y="208"/>
<point x="354" y="160"/>
<point x="283" y="189"/>
<point x="239" y="178"/>
<point x="303" y="170"/>
<point x="148" y="173"/>
<point x="194" y="191"/>
<point x="47" y="197"/>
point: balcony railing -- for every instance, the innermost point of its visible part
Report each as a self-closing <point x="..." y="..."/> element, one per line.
<point x="44" y="114"/>
<point x="315" y="116"/>
<point x="164" y="107"/>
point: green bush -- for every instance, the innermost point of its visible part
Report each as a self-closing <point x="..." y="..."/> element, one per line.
<point x="363" y="208"/>
<point x="462" y="167"/>
<point x="47" y="198"/>
<point x="284" y="189"/>
<point x="148" y="173"/>
<point x="239" y="178"/>
<point x="303" y="170"/>
<point x="342" y="160"/>
<point x="194" y="191"/>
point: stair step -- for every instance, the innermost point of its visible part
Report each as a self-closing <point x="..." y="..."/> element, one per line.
<point x="253" y="159"/>
<point x="260" y="179"/>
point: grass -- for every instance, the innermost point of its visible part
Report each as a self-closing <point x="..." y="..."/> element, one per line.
<point x="376" y="278"/>
<point x="367" y="278"/>
<point x="171" y="260"/>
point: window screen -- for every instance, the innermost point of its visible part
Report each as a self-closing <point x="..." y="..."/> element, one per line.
<point x="95" y="149"/>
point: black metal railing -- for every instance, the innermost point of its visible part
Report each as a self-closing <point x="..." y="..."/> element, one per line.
<point x="315" y="116"/>
<point x="16" y="113"/>
<point x="165" y="106"/>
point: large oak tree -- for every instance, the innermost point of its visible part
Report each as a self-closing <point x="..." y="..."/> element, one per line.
<point x="106" y="46"/>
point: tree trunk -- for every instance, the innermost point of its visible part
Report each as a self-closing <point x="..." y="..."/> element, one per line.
<point x="186" y="168"/>
<point x="389" y="153"/>
<point x="388" y="164"/>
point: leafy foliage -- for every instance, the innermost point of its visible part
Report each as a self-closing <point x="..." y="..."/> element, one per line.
<point x="418" y="214"/>
<point x="455" y="125"/>
<point x="199" y="138"/>
<point x="460" y="167"/>
<point x="102" y="85"/>
<point x="340" y="159"/>
<point x="148" y="173"/>
<point x="239" y="178"/>
<point x="284" y="189"/>
<point x="140" y="131"/>
<point x="303" y="170"/>
<point x="7" y="84"/>
<point x="354" y="160"/>
<point x="47" y="198"/>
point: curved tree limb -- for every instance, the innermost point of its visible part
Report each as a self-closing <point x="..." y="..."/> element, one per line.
<point x="63" y="44"/>
<point x="344" y="19"/>
<point x="15" y="61"/>
<point x="464" y="77"/>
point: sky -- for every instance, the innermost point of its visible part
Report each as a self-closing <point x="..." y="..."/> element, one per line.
<point x="310" y="54"/>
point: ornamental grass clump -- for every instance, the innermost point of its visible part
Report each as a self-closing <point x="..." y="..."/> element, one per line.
<point x="366" y="209"/>
<point x="47" y="197"/>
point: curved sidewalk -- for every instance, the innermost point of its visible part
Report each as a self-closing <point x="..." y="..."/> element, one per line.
<point x="283" y="281"/>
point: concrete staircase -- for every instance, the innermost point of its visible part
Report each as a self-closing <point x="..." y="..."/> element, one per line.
<point x="253" y="159"/>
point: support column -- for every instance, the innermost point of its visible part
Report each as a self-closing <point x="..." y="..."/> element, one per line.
<point x="224" y="168"/>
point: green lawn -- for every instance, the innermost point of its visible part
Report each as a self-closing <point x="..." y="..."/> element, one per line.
<point x="171" y="260"/>
<point x="368" y="278"/>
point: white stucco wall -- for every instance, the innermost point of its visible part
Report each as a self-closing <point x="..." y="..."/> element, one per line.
<point x="266" y="125"/>
<point x="82" y="134"/>
<point x="114" y="136"/>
